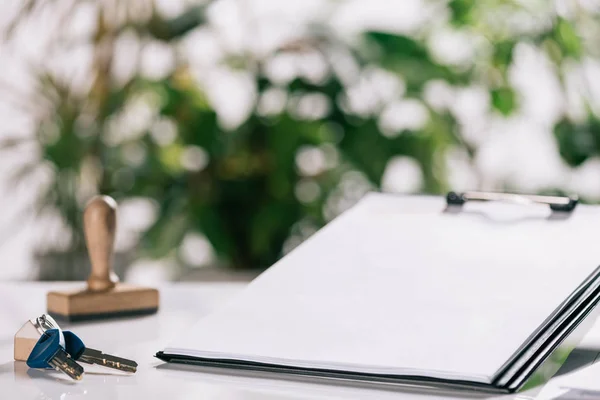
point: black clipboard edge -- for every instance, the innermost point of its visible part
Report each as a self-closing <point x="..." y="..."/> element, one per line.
<point x="328" y="375"/>
<point x="548" y="360"/>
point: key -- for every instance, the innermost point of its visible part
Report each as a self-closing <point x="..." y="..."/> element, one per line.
<point x="48" y="353"/>
<point x="78" y="351"/>
<point x="93" y="356"/>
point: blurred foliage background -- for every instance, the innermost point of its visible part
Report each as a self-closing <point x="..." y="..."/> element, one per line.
<point x="326" y="115"/>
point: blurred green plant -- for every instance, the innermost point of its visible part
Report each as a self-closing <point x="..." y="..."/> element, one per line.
<point x="309" y="147"/>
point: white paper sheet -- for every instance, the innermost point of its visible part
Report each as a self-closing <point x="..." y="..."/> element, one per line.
<point x="395" y="286"/>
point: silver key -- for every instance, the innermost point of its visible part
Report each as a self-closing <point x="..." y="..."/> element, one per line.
<point x="93" y="356"/>
<point x="90" y="356"/>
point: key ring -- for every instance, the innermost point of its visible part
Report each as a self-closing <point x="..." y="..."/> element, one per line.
<point x="44" y="323"/>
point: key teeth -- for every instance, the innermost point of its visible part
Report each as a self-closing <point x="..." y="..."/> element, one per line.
<point x="120" y="366"/>
<point x="78" y="377"/>
<point x="94" y="356"/>
<point x="64" y="363"/>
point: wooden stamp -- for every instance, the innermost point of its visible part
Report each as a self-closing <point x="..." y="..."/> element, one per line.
<point x="105" y="296"/>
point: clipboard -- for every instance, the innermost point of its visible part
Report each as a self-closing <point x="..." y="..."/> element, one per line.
<point x="476" y="291"/>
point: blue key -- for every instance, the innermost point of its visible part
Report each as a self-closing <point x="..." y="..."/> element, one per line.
<point x="48" y="353"/>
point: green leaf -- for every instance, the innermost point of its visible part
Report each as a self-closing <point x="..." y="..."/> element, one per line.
<point x="504" y="100"/>
<point x="578" y="142"/>
<point x="215" y="228"/>
<point x="402" y="47"/>
<point x="503" y="54"/>
<point x="171" y="29"/>
<point x="568" y="39"/>
<point x="170" y="158"/>
<point x="410" y="59"/>
<point x="461" y="11"/>
<point x="360" y="145"/>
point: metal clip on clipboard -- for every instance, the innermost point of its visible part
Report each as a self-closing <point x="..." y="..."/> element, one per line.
<point x="556" y="203"/>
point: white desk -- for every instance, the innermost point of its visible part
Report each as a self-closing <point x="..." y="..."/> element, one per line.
<point x="140" y="338"/>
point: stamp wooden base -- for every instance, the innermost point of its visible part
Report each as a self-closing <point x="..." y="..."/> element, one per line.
<point x="122" y="301"/>
<point x="104" y="296"/>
